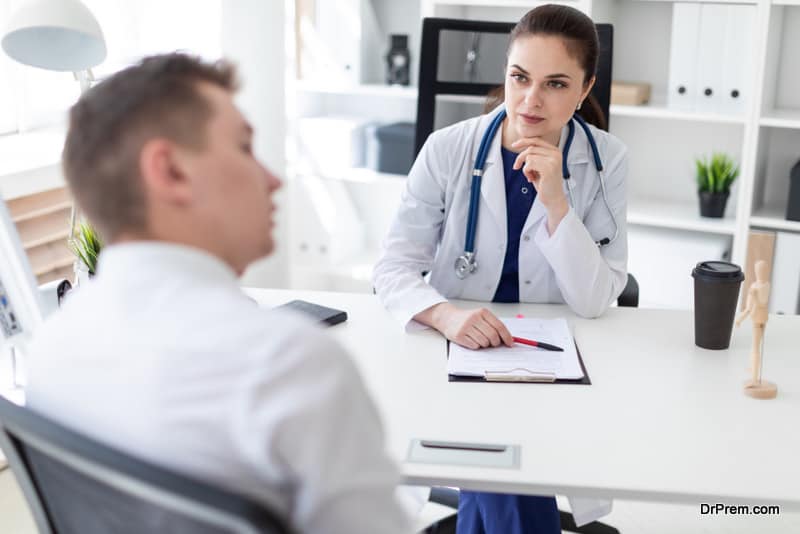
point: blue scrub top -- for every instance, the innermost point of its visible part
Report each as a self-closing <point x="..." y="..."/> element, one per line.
<point x="520" y="195"/>
<point x="494" y="513"/>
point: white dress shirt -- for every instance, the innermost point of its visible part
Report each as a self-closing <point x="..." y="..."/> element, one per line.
<point x="161" y="355"/>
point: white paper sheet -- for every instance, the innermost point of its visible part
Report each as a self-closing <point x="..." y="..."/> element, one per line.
<point x="522" y="360"/>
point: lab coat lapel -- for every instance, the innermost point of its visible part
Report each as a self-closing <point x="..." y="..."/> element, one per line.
<point x="536" y="213"/>
<point x="493" y="185"/>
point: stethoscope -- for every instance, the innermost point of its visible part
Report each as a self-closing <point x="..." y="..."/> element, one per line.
<point x="466" y="264"/>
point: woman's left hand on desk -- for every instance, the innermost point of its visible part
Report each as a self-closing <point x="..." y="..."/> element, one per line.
<point x="474" y="329"/>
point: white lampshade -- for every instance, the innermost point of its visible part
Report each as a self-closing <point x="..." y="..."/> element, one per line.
<point x="58" y="35"/>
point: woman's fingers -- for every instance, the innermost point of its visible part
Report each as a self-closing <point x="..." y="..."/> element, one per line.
<point x="480" y="328"/>
<point x="469" y="342"/>
<point x="534" y="166"/>
<point x="476" y="335"/>
<point x="499" y="327"/>
<point x="524" y="157"/>
<point x="525" y="142"/>
<point x="533" y="176"/>
<point x="489" y="331"/>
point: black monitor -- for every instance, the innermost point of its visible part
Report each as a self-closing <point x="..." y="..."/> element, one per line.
<point x="466" y="58"/>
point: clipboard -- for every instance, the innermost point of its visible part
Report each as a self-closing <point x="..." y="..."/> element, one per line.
<point x="582" y="381"/>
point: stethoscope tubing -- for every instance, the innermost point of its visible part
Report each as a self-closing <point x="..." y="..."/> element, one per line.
<point x="465" y="263"/>
<point x="477" y="175"/>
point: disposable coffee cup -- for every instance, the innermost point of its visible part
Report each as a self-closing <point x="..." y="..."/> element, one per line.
<point x="716" y="291"/>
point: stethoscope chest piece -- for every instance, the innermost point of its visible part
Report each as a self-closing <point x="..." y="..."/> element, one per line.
<point x="465" y="264"/>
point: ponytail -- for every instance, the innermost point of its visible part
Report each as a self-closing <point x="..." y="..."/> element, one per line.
<point x="592" y="113"/>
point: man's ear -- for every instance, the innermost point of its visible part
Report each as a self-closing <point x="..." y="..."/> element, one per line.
<point x="163" y="172"/>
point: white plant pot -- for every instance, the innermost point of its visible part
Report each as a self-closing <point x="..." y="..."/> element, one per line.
<point x="81" y="273"/>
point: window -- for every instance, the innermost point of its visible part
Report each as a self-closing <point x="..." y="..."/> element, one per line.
<point x="8" y="115"/>
<point x="32" y="98"/>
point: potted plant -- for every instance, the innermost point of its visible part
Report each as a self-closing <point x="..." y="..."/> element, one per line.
<point x="86" y="245"/>
<point x="714" y="180"/>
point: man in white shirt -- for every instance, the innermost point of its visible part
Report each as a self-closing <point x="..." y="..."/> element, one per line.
<point x="161" y="354"/>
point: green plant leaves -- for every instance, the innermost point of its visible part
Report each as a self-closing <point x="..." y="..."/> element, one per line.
<point x="86" y="245"/>
<point x="717" y="175"/>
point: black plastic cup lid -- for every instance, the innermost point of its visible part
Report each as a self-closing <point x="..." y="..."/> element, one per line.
<point x="720" y="270"/>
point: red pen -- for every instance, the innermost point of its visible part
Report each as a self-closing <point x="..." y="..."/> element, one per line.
<point x="540" y="344"/>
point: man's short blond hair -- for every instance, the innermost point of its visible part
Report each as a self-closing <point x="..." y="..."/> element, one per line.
<point x="109" y="125"/>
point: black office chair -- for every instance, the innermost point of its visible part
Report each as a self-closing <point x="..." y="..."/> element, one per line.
<point x="629" y="298"/>
<point x="480" y="47"/>
<point x="460" y="42"/>
<point x="75" y="485"/>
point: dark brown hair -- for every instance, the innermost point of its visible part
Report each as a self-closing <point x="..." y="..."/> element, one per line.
<point x="580" y="38"/>
<point x="158" y="97"/>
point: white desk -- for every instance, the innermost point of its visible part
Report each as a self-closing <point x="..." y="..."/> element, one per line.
<point x="663" y="419"/>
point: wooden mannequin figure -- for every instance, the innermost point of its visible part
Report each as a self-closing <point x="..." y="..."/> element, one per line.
<point x="756" y="308"/>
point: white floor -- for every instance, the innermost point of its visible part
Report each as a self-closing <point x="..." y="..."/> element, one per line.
<point x="628" y="517"/>
<point x="657" y="518"/>
<point x="14" y="515"/>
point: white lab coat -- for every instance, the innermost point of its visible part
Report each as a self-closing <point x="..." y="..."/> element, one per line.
<point x="164" y="357"/>
<point x="428" y="232"/>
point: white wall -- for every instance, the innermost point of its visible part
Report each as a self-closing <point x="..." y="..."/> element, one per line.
<point x="253" y="36"/>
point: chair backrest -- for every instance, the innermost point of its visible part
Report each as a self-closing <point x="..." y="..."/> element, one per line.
<point x="76" y="485"/>
<point x="480" y="48"/>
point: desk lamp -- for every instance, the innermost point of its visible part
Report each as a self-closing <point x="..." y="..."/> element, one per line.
<point x="59" y="35"/>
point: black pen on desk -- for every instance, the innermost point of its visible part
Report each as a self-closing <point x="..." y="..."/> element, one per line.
<point x="540" y="344"/>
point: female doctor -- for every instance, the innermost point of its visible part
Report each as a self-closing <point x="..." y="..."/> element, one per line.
<point x="547" y="222"/>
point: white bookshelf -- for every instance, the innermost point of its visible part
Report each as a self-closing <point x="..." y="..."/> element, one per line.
<point x="764" y="138"/>
<point x="677" y="216"/>
<point x="781" y="118"/>
<point x="657" y="109"/>
<point x="384" y="92"/>
<point x="773" y="218"/>
<point x="358" y="175"/>
<point x="364" y="89"/>
<point x="524" y="4"/>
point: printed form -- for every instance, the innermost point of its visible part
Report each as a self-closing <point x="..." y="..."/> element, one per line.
<point x="521" y="360"/>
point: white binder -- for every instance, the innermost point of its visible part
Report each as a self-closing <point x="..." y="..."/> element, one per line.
<point x="682" y="88"/>
<point x="336" y="56"/>
<point x="740" y="37"/>
<point x="785" y="290"/>
<point x="710" y="57"/>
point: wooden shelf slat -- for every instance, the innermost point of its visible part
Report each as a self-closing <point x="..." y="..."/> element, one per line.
<point x="51" y="227"/>
<point x="38" y="204"/>
<point x="49" y="238"/>
<point x="50" y="256"/>
<point x="42" y="220"/>
<point x="66" y="205"/>
<point x="56" y="274"/>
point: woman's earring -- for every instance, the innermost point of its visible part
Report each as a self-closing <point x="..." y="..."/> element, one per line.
<point x="579" y="105"/>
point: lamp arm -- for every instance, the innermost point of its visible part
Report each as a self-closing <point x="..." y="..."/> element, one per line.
<point x="84" y="78"/>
